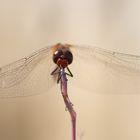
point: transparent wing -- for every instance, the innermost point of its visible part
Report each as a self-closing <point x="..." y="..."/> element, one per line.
<point x="105" y="72"/>
<point x="96" y="70"/>
<point x="27" y="76"/>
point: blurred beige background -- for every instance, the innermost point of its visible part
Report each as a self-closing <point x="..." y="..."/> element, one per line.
<point x="26" y="26"/>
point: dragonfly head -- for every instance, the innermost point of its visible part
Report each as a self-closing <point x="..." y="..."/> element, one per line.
<point x="62" y="57"/>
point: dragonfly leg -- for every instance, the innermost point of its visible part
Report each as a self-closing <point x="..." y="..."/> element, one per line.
<point x="59" y="77"/>
<point x="55" y="71"/>
<point x="70" y="73"/>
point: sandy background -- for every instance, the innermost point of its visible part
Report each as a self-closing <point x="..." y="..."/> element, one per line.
<point x="26" y="26"/>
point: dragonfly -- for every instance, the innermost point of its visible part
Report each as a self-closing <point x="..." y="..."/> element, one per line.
<point x="63" y="57"/>
<point x="97" y="70"/>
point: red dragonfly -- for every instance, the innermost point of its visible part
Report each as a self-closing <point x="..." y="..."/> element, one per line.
<point x="101" y="71"/>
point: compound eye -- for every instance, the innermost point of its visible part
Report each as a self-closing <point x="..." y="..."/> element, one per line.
<point x="57" y="54"/>
<point x="68" y="55"/>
